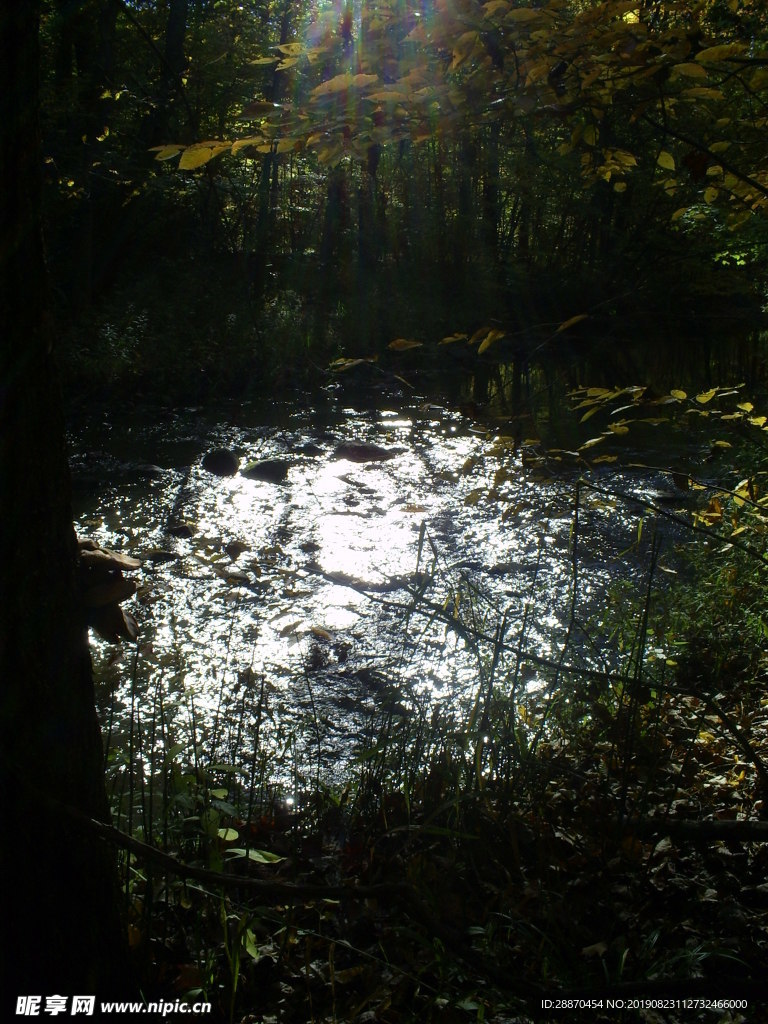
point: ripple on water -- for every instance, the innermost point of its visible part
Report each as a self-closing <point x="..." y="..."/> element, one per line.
<point x="304" y="586"/>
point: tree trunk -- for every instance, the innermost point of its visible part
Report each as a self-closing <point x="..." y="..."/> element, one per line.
<point x="62" y="932"/>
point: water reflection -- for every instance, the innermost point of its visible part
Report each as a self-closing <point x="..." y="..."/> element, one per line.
<point x="299" y="605"/>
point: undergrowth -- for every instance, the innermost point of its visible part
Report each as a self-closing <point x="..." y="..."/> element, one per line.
<point x="569" y="835"/>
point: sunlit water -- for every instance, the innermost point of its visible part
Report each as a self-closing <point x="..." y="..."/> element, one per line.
<point x="296" y="613"/>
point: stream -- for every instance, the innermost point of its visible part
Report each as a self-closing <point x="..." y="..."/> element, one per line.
<point x="291" y="615"/>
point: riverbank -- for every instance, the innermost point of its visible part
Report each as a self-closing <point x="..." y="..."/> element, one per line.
<point x="476" y="815"/>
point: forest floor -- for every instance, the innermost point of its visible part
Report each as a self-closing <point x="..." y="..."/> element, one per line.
<point x="619" y="875"/>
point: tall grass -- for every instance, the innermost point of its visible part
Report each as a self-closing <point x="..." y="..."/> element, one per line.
<point x="524" y="786"/>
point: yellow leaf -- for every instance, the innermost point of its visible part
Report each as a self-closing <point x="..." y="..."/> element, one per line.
<point x="701" y="92"/>
<point x="339" y="365"/>
<point x="320" y="633"/>
<point x="620" y="186"/>
<point x="481" y="332"/>
<point x="491" y="337"/>
<point x="287" y="145"/>
<point x="596" y="949"/>
<point x="573" y="320"/>
<point x="679" y="395"/>
<point x="706" y="396"/>
<point x="256" y="140"/>
<point x="523" y="14"/>
<point x="591" y="78"/>
<point x="745" y="406"/>
<point x="200" y="153"/>
<point x="330" y="155"/>
<point x="417" y="35"/>
<point x="716" y="53"/>
<point x="625" y="158"/>
<point x="538" y="71"/>
<point x="257" y="108"/>
<point x="361" y="81"/>
<point x="337" y="84"/>
<point x="690" y="70"/>
<point x="453" y="337"/>
<point x="666" y="160"/>
<point x="591" y="443"/>
<point x="588" y="413"/>
<point x="463" y="48"/>
<point x="591" y="135"/>
<point x="713" y="512"/>
<point x="710" y="194"/>
<point x="290" y="49"/>
<point x="388" y="96"/>
<point x="263" y="61"/>
<point x="402" y="344"/>
<point x="166" y="152"/>
<point x="494" y="6"/>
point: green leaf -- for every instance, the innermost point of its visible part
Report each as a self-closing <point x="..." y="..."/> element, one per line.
<point x="259" y="856"/>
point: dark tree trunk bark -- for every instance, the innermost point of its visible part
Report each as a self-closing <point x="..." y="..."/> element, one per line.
<point x="83" y="64"/>
<point x="265" y="241"/>
<point x="173" y="69"/>
<point x="61" y="929"/>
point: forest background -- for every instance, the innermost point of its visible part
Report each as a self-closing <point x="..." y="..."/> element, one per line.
<point x="244" y="191"/>
<point x="237" y="195"/>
